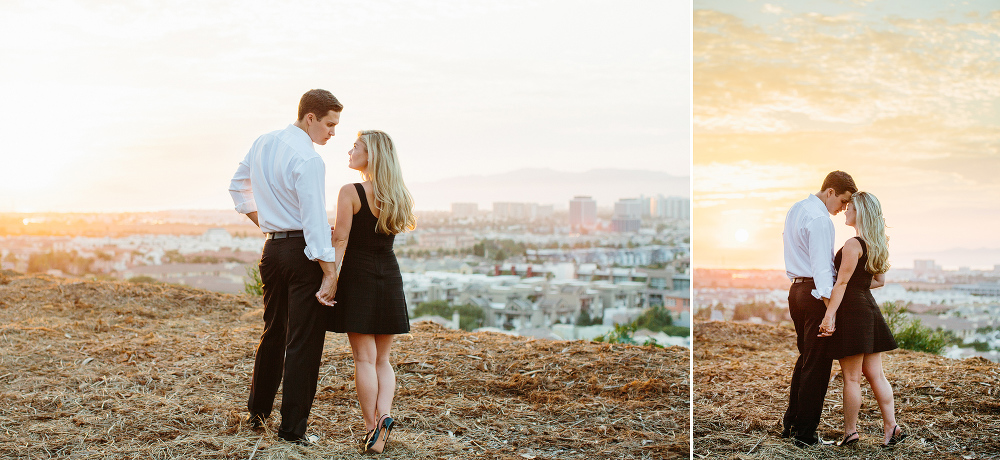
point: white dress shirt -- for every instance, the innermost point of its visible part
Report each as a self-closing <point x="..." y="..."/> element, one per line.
<point x="808" y="238"/>
<point x="283" y="179"/>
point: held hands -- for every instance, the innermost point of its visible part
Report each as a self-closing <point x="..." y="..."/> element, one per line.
<point x="327" y="290"/>
<point x="828" y="326"/>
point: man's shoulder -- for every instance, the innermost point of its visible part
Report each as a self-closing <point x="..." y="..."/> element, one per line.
<point x="271" y="135"/>
<point x="289" y="141"/>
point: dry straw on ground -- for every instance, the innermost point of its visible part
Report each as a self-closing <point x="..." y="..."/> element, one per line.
<point x="950" y="408"/>
<point x="95" y="370"/>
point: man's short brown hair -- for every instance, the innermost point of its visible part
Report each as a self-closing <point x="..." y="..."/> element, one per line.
<point x="318" y="102"/>
<point x="840" y="182"/>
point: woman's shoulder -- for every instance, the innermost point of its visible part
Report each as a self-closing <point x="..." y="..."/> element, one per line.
<point x="349" y="189"/>
<point x="853" y="245"/>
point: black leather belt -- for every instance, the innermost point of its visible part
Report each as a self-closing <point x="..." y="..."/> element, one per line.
<point x="801" y="279"/>
<point x="280" y="235"/>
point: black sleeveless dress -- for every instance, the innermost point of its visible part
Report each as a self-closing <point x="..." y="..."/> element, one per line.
<point x="370" y="288"/>
<point x="860" y="325"/>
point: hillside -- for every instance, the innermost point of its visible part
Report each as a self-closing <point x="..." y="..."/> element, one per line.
<point x="95" y="370"/>
<point x="950" y="408"/>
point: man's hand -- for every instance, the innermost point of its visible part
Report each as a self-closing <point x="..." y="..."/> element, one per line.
<point x="327" y="290"/>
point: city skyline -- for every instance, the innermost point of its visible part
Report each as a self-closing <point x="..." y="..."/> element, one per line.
<point x="156" y="106"/>
<point x="903" y="96"/>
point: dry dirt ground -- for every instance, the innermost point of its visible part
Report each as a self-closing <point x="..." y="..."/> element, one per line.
<point x="96" y="370"/>
<point x="950" y="408"/>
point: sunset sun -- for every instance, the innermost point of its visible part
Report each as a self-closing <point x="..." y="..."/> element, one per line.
<point x="742" y="235"/>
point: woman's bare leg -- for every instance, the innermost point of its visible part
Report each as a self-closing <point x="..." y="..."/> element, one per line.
<point x="363" y="347"/>
<point x="851" y="369"/>
<point x="872" y="369"/>
<point x="386" y="375"/>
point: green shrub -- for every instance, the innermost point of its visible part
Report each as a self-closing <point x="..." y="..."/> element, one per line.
<point x="584" y="319"/>
<point x="910" y="333"/>
<point x="254" y="286"/>
<point x="655" y="319"/>
<point x="622" y="333"/>
<point x="469" y="316"/>
<point x="143" y="279"/>
<point x="677" y="331"/>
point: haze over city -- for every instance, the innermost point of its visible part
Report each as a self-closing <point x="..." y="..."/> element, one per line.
<point x="134" y="107"/>
<point x="905" y="96"/>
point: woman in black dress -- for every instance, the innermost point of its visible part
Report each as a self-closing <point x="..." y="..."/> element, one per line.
<point x="370" y="306"/>
<point x="863" y="334"/>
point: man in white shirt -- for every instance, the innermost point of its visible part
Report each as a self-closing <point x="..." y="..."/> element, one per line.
<point x="808" y="241"/>
<point x="280" y="186"/>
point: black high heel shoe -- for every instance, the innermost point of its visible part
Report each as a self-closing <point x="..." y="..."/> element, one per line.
<point x="381" y="437"/>
<point x="371" y="438"/>
<point x="896" y="438"/>
<point x="849" y="442"/>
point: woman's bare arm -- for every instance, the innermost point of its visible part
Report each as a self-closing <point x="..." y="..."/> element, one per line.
<point x="347" y="205"/>
<point x="848" y="262"/>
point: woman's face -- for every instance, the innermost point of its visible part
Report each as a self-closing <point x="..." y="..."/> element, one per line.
<point x="358" y="156"/>
<point x="851" y="214"/>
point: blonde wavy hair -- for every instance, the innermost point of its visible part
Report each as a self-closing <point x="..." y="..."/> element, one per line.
<point x="392" y="198"/>
<point x="871" y="228"/>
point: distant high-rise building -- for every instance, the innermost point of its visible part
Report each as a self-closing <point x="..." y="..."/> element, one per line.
<point x="627" y="216"/>
<point x="925" y="267"/>
<point x="625" y="224"/>
<point x="464" y="209"/>
<point x="646" y="205"/>
<point x="628" y="207"/>
<point x="673" y="207"/>
<point x="582" y="212"/>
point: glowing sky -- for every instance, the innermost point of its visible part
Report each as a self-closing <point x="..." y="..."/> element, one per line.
<point x="113" y="106"/>
<point x="904" y="95"/>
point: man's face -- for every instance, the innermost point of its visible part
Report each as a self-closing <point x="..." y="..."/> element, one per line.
<point x="321" y="130"/>
<point x="836" y="203"/>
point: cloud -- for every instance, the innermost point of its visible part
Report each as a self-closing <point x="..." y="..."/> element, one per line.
<point x="772" y="9"/>
<point x="845" y="69"/>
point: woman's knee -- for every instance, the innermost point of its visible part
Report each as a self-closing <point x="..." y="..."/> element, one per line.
<point x="872" y="370"/>
<point x="852" y="377"/>
<point x="363" y="349"/>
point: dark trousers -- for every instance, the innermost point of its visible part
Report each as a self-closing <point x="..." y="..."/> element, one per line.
<point x="812" y="369"/>
<point x="294" y="332"/>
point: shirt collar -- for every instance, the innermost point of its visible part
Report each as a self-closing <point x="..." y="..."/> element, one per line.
<point x="814" y="201"/>
<point x="300" y="135"/>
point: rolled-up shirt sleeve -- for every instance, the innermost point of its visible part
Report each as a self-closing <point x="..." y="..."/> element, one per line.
<point x="821" y="236"/>
<point x="240" y="188"/>
<point x="310" y="186"/>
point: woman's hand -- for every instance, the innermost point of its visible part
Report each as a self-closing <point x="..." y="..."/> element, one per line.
<point x="828" y="326"/>
<point x="328" y="287"/>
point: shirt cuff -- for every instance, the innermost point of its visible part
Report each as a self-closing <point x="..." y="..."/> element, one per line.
<point x="247" y="207"/>
<point x="819" y="295"/>
<point x="327" y="255"/>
